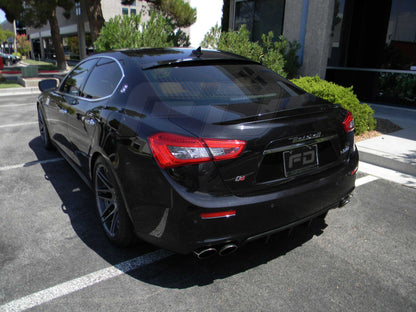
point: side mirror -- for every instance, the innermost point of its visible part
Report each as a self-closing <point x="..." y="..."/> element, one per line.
<point x="48" y="85"/>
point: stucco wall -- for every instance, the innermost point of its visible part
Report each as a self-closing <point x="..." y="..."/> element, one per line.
<point x="317" y="36"/>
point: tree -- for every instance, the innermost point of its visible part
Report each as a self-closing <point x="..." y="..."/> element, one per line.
<point x="4" y="35"/>
<point x="130" y="32"/>
<point x="95" y="18"/>
<point x="23" y="44"/>
<point x="181" y="13"/>
<point x="36" y="13"/>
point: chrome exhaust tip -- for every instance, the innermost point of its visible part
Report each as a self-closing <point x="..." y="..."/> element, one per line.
<point x="228" y="249"/>
<point x="205" y="253"/>
<point x="345" y="201"/>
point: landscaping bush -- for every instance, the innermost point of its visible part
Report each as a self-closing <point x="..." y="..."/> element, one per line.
<point x="280" y="56"/>
<point x="363" y="114"/>
<point x="125" y="31"/>
<point x="238" y="42"/>
<point x="212" y="38"/>
<point x="397" y="87"/>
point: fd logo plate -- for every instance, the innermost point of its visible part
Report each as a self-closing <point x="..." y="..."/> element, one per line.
<point x="300" y="159"/>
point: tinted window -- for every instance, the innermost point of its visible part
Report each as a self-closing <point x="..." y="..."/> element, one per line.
<point x="73" y="83"/>
<point x="103" y="79"/>
<point x="219" y="84"/>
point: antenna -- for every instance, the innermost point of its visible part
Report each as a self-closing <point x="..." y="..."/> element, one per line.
<point x="197" y="52"/>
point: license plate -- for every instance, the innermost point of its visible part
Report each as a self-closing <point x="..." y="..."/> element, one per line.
<point x="300" y="159"/>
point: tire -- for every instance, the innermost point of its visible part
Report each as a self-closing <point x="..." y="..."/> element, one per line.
<point x="110" y="205"/>
<point x="43" y="130"/>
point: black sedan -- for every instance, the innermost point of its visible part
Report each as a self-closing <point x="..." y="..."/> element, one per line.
<point x="197" y="151"/>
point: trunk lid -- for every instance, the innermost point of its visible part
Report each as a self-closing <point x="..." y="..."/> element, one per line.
<point x="302" y="132"/>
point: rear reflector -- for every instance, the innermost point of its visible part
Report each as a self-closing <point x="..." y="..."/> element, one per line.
<point x="354" y="171"/>
<point x="348" y="123"/>
<point x="221" y="214"/>
<point x="173" y="150"/>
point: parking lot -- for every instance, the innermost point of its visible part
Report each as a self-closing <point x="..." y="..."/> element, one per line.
<point x="55" y="257"/>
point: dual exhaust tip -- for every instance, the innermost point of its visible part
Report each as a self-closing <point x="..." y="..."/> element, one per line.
<point x="208" y="252"/>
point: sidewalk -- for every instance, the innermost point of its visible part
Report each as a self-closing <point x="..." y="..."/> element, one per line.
<point x="397" y="150"/>
<point x="10" y="73"/>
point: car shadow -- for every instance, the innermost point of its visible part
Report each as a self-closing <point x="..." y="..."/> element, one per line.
<point x="176" y="271"/>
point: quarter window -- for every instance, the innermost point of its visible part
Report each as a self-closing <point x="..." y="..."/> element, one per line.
<point x="103" y="80"/>
<point x="75" y="80"/>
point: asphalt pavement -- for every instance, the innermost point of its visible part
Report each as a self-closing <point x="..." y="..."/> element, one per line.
<point x="55" y="257"/>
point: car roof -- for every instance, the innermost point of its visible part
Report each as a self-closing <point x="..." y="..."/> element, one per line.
<point x="153" y="57"/>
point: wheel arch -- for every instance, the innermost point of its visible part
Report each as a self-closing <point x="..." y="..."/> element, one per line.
<point x="93" y="161"/>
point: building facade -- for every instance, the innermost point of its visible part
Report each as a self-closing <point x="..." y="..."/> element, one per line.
<point x="76" y="24"/>
<point x="369" y="44"/>
<point x="306" y="21"/>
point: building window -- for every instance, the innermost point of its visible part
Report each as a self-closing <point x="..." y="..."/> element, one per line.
<point x="260" y="16"/>
<point x="133" y="12"/>
<point x="125" y="11"/>
<point x="400" y="51"/>
<point x="389" y="41"/>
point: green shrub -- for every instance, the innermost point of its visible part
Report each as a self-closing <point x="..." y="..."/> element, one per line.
<point x="212" y="38"/>
<point x="122" y="32"/>
<point x="273" y="53"/>
<point x="280" y="56"/>
<point x="238" y="42"/>
<point x="398" y="86"/>
<point x="363" y="114"/>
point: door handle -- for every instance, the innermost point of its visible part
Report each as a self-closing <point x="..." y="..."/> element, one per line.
<point x="63" y="111"/>
<point x="89" y="119"/>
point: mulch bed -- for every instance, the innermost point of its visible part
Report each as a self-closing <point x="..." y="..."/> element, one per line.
<point x="384" y="126"/>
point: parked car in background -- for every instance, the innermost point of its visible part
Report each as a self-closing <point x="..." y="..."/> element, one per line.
<point x="9" y="59"/>
<point x="198" y="151"/>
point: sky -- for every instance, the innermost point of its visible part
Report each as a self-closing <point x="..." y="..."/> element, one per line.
<point x="2" y="17"/>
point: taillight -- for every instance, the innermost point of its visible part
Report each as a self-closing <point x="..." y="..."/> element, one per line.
<point x="173" y="150"/>
<point x="348" y="123"/>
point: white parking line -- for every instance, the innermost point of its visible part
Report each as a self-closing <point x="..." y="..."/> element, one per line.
<point x="82" y="282"/>
<point x="19" y="124"/>
<point x="31" y="163"/>
<point x="364" y="180"/>
<point x="388" y="174"/>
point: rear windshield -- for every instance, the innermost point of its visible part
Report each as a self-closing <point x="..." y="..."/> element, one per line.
<point x="219" y="84"/>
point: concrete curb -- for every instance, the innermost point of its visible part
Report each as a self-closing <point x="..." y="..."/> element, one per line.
<point x="19" y="91"/>
<point x="386" y="160"/>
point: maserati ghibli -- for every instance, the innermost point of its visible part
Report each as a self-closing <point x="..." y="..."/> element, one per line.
<point x="197" y="150"/>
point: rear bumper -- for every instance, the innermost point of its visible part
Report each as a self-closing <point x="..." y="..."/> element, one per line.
<point x="181" y="228"/>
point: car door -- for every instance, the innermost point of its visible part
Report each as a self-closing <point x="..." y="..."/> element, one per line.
<point x="90" y="111"/>
<point x="61" y="102"/>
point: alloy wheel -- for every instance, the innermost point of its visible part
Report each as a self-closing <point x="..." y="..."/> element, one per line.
<point x="107" y="201"/>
